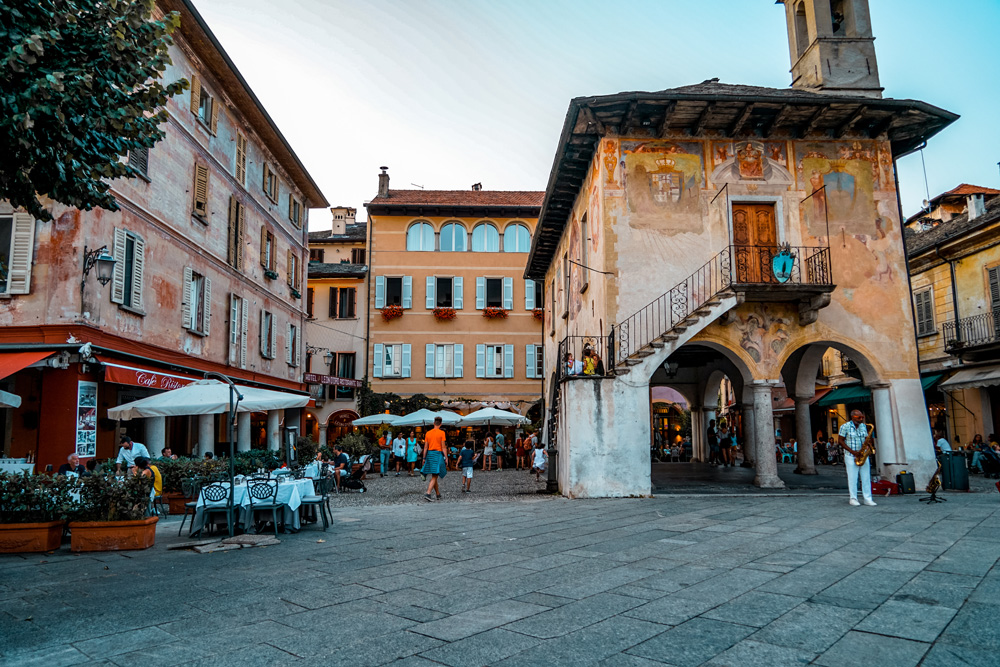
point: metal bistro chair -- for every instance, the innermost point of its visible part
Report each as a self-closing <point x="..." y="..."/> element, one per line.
<point x="215" y="493"/>
<point x="264" y="496"/>
<point x="320" y="500"/>
<point x="191" y="488"/>
<point x="299" y="473"/>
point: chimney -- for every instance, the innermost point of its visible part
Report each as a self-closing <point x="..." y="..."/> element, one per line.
<point x="383" y="182"/>
<point x="477" y="187"/>
<point x="338" y="219"/>
<point x="975" y="207"/>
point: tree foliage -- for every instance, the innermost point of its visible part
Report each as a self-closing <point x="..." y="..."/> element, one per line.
<point x="372" y="402"/>
<point x="79" y="88"/>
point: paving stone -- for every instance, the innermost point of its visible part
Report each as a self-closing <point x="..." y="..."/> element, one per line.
<point x="691" y="643"/>
<point x="810" y="627"/>
<point x="573" y="616"/>
<point x="122" y="642"/>
<point x="162" y="654"/>
<point x="941" y="588"/>
<point x="60" y="656"/>
<point x="874" y="650"/>
<point x="485" y="648"/>
<point x="749" y="653"/>
<point x="971" y="628"/>
<point x="544" y="599"/>
<point x="459" y="626"/>
<point x="908" y="620"/>
<point x="755" y="608"/>
<point x="948" y="655"/>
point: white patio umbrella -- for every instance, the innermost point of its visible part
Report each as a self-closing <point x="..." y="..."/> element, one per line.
<point x="207" y="397"/>
<point x="376" y="420"/>
<point x="493" y="417"/>
<point x="9" y="400"/>
<point x="425" y="417"/>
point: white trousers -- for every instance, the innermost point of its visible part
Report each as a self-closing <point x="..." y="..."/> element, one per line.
<point x="853" y="470"/>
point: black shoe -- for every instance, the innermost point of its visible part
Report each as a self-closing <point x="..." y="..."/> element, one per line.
<point x="439" y="496"/>
<point x="428" y="498"/>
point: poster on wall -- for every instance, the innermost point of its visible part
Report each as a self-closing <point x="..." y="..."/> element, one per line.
<point x="86" y="419"/>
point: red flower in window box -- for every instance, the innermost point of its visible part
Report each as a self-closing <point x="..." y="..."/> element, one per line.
<point x="444" y="314"/>
<point x="389" y="313"/>
<point x="494" y="313"/>
<point x="538" y="314"/>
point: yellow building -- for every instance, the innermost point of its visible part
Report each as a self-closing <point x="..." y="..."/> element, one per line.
<point x="450" y="315"/>
<point x="955" y="280"/>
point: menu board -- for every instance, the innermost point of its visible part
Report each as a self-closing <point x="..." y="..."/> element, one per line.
<point x="86" y="419"/>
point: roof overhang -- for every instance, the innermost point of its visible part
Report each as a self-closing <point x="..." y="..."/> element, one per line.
<point x="452" y="211"/>
<point x="670" y="114"/>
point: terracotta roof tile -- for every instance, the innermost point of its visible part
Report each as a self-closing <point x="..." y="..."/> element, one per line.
<point x="946" y="231"/>
<point x="966" y="189"/>
<point x="476" y="198"/>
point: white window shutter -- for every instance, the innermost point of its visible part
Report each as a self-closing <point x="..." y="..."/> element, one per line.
<point x="429" y="362"/>
<point x="480" y="361"/>
<point x="380" y="291"/>
<point x="406" y="360"/>
<point x="288" y="343"/>
<point x="187" y="305"/>
<point x="508" y="293"/>
<point x="431" y="280"/>
<point x="245" y="317"/>
<point x="458" y="360"/>
<point x="208" y="304"/>
<point x="529" y="294"/>
<point x="379" y="360"/>
<point x="274" y="338"/>
<point x="529" y="361"/>
<point x="407" y="291"/>
<point x="263" y="336"/>
<point x="508" y="361"/>
<point x="22" y="251"/>
<point x="298" y="346"/>
<point x="457" y="293"/>
<point x="234" y="329"/>
<point x="138" y="269"/>
<point x="480" y="293"/>
<point x="118" y="276"/>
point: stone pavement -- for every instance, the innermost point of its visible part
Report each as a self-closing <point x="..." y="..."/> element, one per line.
<point x="678" y="580"/>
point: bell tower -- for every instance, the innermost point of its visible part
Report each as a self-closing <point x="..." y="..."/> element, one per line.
<point x="832" y="47"/>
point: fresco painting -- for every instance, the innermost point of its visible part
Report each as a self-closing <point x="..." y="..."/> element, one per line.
<point x="609" y="158"/>
<point x="663" y="179"/>
<point x="851" y="173"/>
<point x="750" y="161"/>
<point x="596" y="216"/>
<point x="763" y="333"/>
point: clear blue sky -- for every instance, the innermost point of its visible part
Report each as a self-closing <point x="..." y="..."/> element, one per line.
<point x="448" y="93"/>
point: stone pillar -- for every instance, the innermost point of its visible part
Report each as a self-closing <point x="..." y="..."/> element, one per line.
<point x="767" y="468"/>
<point x="274" y="430"/>
<point x="156" y="435"/>
<point x="322" y="434"/>
<point x="698" y="444"/>
<point x="885" y="436"/>
<point x="803" y="434"/>
<point x="206" y="434"/>
<point x="243" y="432"/>
<point x="749" y="437"/>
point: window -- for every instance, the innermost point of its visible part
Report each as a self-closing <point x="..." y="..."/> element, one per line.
<point x="357" y="255"/>
<point x="584" y="254"/>
<point x="200" y="208"/>
<point x="127" y="279"/>
<point x="267" y="246"/>
<point x="485" y="238"/>
<point x="241" y="159"/>
<point x="197" y="307"/>
<point x="925" y="312"/>
<point x="533" y="295"/>
<point x="516" y="238"/>
<point x="270" y="183"/>
<point x="295" y="211"/>
<point x="316" y="254"/>
<point x="394" y="291"/>
<point x="17" y="245"/>
<point x="293" y="342"/>
<point x="534" y="366"/>
<point x="552" y="308"/>
<point x="454" y="238"/>
<point x="237" y="229"/>
<point x="203" y="105"/>
<point x="268" y="334"/>
<point x="443" y="361"/>
<point x="310" y="299"/>
<point x="237" y="331"/>
<point x="566" y="281"/>
<point x="138" y="159"/>
<point x="391" y="361"/>
<point x="343" y="302"/>
<point x="494" y="361"/>
<point x="294" y="277"/>
<point x="444" y="292"/>
<point x="495" y="293"/>
<point x="420" y="236"/>
<point x="345" y="369"/>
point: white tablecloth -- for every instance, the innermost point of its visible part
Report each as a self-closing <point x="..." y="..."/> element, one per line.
<point x="17" y="468"/>
<point x="290" y="494"/>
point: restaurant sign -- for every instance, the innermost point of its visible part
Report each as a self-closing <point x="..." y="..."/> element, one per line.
<point x="315" y="378"/>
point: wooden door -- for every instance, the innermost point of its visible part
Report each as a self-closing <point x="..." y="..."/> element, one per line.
<point x="755" y="238"/>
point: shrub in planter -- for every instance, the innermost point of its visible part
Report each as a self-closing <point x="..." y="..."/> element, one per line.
<point x="250" y="462"/>
<point x="444" y="314"/>
<point x="112" y="515"/>
<point x="494" y="313"/>
<point x="355" y="445"/>
<point x="33" y="509"/>
<point x="305" y="450"/>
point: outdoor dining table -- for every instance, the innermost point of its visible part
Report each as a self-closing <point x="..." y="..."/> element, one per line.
<point x="290" y="494"/>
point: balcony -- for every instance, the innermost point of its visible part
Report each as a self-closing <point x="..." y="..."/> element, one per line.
<point x="974" y="335"/>
<point x="781" y="273"/>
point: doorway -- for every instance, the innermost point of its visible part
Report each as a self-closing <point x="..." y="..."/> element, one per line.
<point x="755" y="240"/>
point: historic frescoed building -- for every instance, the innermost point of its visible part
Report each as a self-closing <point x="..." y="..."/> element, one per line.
<point x="720" y="230"/>
<point x="209" y="251"/>
<point x="450" y="313"/>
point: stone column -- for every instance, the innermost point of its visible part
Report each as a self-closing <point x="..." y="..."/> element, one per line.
<point x="803" y="433"/>
<point x="156" y="435"/>
<point x="767" y="467"/>
<point x="322" y="434"/>
<point x="243" y="432"/>
<point x="885" y="436"/>
<point x="206" y="434"/>
<point x="274" y="430"/>
<point x="749" y="437"/>
<point x="698" y="444"/>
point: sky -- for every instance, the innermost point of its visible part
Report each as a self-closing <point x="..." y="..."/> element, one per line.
<point x="448" y="93"/>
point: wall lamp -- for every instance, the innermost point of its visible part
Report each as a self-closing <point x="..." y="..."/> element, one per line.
<point x="328" y="357"/>
<point x="104" y="262"/>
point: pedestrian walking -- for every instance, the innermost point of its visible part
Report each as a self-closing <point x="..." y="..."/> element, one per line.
<point x="384" y="451"/>
<point x="399" y="452"/>
<point x="488" y="453"/>
<point x="540" y="461"/>
<point x="435" y="459"/>
<point x="519" y="452"/>
<point x="412" y="451"/>
<point x="712" y="438"/>
<point x="466" y="461"/>
<point x="499" y="449"/>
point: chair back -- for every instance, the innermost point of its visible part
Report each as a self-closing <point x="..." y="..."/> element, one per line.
<point x="217" y="492"/>
<point x="260" y="476"/>
<point x="262" y="493"/>
<point x="323" y="485"/>
<point x="299" y="473"/>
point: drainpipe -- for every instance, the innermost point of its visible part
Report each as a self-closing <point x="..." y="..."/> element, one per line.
<point x="368" y="288"/>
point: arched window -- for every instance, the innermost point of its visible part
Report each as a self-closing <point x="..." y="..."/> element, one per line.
<point x="454" y="238"/>
<point x="516" y="238"/>
<point x="420" y="236"/>
<point x="485" y="238"/>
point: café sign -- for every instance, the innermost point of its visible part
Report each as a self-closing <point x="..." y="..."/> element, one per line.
<point x="315" y="378"/>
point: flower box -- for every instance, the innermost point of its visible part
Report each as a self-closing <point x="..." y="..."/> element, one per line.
<point x="494" y="313"/>
<point x="19" y="538"/>
<point x="444" y="314"/>
<point x="113" y="535"/>
<point x="271" y="275"/>
<point x="538" y="314"/>
<point x="390" y="313"/>
<point x="296" y="294"/>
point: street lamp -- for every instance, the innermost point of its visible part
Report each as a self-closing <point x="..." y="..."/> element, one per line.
<point x="104" y="262"/>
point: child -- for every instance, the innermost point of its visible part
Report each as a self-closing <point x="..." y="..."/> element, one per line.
<point x="540" y="461"/>
<point x="466" y="459"/>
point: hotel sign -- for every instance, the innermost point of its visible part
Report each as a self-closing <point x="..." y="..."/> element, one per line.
<point x="315" y="378"/>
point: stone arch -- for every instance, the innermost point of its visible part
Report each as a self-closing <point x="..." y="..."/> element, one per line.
<point x="800" y="365"/>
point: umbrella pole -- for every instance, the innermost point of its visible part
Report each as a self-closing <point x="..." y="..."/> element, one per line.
<point x="234" y="400"/>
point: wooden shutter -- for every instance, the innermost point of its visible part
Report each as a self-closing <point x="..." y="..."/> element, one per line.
<point x="353" y="310"/>
<point x="310" y="301"/>
<point x="187" y="304"/>
<point x="480" y="293"/>
<point x="267" y="178"/>
<point x="529" y="294"/>
<point x="241" y="159"/>
<point x="297" y="352"/>
<point x="508" y="293"/>
<point x="234" y="329"/>
<point x="456" y="291"/>
<point x="118" y="276"/>
<point x="458" y="359"/>
<point x="208" y="305"/>
<point x="288" y="343"/>
<point x="431" y="283"/>
<point x="378" y="362"/>
<point x="138" y="159"/>
<point x="291" y="270"/>
<point x="262" y="342"/>
<point x="201" y="190"/>
<point x="138" y="271"/>
<point x="195" y="94"/>
<point x="274" y="337"/>
<point x="214" y="124"/>
<point x="231" y="251"/>
<point x="994" y="279"/>
<point x="379" y="292"/>
<point x="407" y="291"/>
<point x="508" y="361"/>
<point x="529" y="361"/>
<point x="429" y="361"/>
<point x="333" y="303"/>
<point x="406" y="360"/>
<point x="241" y="228"/>
<point x="480" y="361"/>
<point x="263" y="247"/>
<point x="22" y="251"/>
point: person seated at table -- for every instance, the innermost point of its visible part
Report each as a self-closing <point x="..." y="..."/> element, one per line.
<point x="72" y="466"/>
<point x="128" y="452"/>
<point x="341" y="464"/>
<point x="168" y="453"/>
<point x="143" y="469"/>
<point x="209" y="456"/>
<point x="91" y="466"/>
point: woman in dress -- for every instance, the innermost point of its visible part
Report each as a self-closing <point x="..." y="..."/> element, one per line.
<point x="411" y="453"/>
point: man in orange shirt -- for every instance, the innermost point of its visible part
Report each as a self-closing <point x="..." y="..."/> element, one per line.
<point x="383" y="450"/>
<point x="435" y="459"/>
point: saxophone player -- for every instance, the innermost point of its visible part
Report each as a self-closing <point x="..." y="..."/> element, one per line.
<point x="852" y="438"/>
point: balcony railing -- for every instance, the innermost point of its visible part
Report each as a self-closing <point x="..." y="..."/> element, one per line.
<point x="969" y="332"/>
<point x="573" y="353"/>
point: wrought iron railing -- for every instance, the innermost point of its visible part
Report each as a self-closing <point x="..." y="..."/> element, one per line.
<point x="982" y="329"/>
<point x="574" y="352"/>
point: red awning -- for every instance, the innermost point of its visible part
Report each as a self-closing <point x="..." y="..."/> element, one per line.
<point x="12" y="362"/>
<point x="143" y="376"/>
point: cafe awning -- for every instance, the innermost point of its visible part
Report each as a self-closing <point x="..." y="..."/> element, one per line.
<point x="855" y="393"/>
<point x="970" y="378"/>
<point x="12" y="362"/>
<point x="207" y="397"/>
<point x="140" y="375"/>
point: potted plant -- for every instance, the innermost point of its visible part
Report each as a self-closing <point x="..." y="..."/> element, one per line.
<point x="112" y="515"/>
<point x="389" y="313"/>
<point x="271" y="275"/>
<point x="33" y="511"/>
<point x="444" y="314"/>
<point x="538" y="314"/>
<point x="296" y="294"/>
<point x="494" y="313"/>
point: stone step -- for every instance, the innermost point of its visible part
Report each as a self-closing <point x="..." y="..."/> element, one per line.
<point x="632" y="361"/>
<point x="713" y="302"/>
<point x="643" y="353"/>
<point x="680" y="328"/>
<point x="669" y="337"/>
<point x="656" y="345"/>
<point x="621" y="370"/>
<point x="702" y="312"/>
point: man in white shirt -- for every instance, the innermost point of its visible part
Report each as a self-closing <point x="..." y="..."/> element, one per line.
<point x="399" y="451"/>
<point x="942" y="442"/>
<point x="128" y="453"/>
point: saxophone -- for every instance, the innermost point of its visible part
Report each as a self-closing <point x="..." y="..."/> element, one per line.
<point x="868" y="448"/>
<point x="935" y="483"/>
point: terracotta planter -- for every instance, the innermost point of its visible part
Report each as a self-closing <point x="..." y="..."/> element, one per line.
<point x="175" y="502"/>
<point x="112" y="535"/>
<point x="16" y="538"/>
